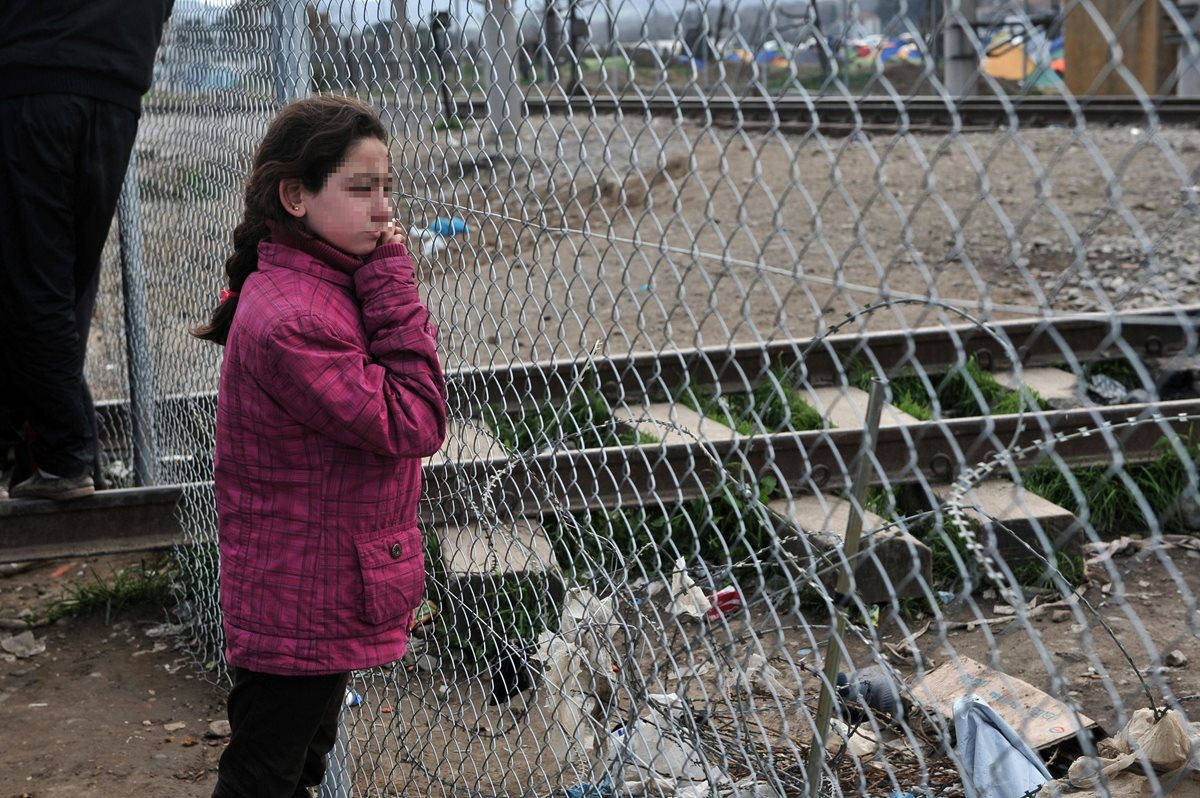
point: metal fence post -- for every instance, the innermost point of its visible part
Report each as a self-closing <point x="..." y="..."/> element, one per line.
<point x="854" y="525"/>
<point x="336" y="783"/>
<point x="289" y="35"/>
<point x="499" y="50"/>
<point x="137" y="332"/>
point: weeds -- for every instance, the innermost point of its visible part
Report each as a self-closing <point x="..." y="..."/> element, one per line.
<point x="965" y="390"/>
<point x="1122" y="371"/>
<point x="1111" y="505"/>
<point x="132" y="586"/>
<point x="724" y="530"/>
<point x="582" y="421"/>
<point x="448" y="123"/>
<point x="774" y="405"/>
<point x="1038" y="574"/>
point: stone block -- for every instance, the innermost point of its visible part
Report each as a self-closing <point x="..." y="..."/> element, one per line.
<point x="485" y="572"/>
<point x="1059" y="388"/>
<point x="675" y="415"/>
<point x="846" y="408"/>
<point x="890" y="561"/>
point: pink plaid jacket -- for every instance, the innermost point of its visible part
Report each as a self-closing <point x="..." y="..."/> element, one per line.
<point x="331" y="393"/>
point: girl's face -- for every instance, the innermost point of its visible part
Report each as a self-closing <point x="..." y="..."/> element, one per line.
<point x="352" y="210"/>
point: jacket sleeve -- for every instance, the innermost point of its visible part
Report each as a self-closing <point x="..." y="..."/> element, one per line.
<point x="390" y="400"/>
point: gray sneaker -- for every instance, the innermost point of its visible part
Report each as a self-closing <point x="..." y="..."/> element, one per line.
<point x="43" y="487"/>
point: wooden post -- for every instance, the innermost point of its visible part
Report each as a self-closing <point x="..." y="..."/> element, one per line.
<point x="1090" y="49"/>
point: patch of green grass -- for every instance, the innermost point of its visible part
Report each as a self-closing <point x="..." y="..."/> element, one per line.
<point x="142" y="584"/>
<point x="448" y="123"/>
<point x="1108" y="503"/>
<point x="513" y="610"/>
<point x="723" y="530"/>
<point x="944" y="543"/>
<point x="1035" y="573"/>
<point x="966" y="390"/>
<point x="583" y="420"/>
<point x="435" y="566"/>
<point x="774" y="405"/>
<point x="881" y="501"/>
<point x="1122" y="371"/>
<point x="1011" y="403"/>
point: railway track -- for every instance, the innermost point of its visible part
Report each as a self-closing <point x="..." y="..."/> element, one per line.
<point x="802" y="113"/>
<point x="475" y="471"/>
<point x="795" y="113"/>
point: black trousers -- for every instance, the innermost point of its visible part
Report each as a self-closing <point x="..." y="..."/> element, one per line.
<point x="283" y="729"/>
<point x="62" y="162"/>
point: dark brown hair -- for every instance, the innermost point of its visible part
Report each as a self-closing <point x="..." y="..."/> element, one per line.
<point x="306" y="141"/>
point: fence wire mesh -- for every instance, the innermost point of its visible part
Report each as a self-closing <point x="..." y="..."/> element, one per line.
<point x="671" y="247"/>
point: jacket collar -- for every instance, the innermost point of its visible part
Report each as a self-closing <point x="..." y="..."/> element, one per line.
<point x="317" y="258"/>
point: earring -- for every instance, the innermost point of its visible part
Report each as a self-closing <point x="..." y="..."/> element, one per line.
<point x="295" y="207"/>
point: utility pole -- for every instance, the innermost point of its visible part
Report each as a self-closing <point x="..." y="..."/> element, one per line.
<point x="961" y="70"/>
<point x="439" y="25"/>
<point x="499" y="50"/>
<point x="574" y="23"/>
<point x="401" y="51"/>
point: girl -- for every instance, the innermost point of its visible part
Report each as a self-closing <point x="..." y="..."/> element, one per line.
<point x="331" y="393"/>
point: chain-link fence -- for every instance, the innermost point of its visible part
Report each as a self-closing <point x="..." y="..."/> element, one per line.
<point x="673" y="250"/>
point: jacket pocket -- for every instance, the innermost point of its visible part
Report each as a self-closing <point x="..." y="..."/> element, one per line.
<point x="392" y="562"/>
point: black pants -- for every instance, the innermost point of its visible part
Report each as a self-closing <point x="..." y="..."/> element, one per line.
<point x="62" y="162"/>
<point x="283" y="729"/>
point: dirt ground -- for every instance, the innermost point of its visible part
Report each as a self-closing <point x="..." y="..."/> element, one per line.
<point x="99" y="712"/>
<point x="678" y="235"/>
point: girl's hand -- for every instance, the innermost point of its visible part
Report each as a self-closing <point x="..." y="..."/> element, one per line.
<point x="392" y="234"/>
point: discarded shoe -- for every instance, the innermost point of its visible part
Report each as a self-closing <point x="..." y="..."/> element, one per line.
<point x="873" y="689"/>
<point x="40" y="486"/>
<point x="510" y="672"/>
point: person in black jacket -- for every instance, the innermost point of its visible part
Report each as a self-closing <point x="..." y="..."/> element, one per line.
<point x="72" y="76"/>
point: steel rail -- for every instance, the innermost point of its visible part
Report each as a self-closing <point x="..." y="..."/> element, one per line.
<point x="873" y="111"/>
<point x="806" y="112"/>
<point x="931" y="452"/>
<point x="650" y="474"/>
<point x="647" y="475"/>
<point x="1085" y="337"/>
<point x="1154" y="334"/>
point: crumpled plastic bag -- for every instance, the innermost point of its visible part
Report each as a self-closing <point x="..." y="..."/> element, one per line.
<point x="996" y="762"/>
<point x="758" y="672"/>
<point x="659" y="745"/>
<point x="577" y="679"/>
<point x="1164" y="744"/>
<point x="686" y="596"/>
<point x="1125" y="784"/>
<point x="24" y="645"/>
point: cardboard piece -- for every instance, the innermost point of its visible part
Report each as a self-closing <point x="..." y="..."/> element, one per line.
<point x="1041" y="720"/>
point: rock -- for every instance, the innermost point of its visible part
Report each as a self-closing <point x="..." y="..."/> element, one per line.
<point x="1138" y="396"/>
<point x="1175" y="659"/>
<point x="24" y="645"/>
<point x="1189" y="512"/>
<point x="174" y="726"/>
<point x="1060" y="616"/>
<point x="218" y="729"/>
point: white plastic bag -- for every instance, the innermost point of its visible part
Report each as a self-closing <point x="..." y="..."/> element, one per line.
<point x="995" y="761"/>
